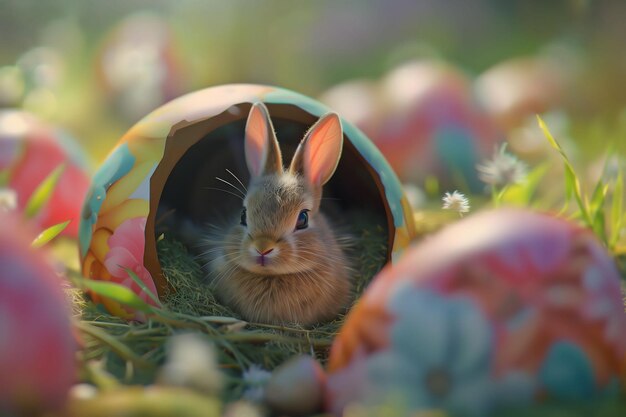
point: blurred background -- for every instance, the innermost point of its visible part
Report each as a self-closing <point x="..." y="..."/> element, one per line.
<point x="94" y="68"/>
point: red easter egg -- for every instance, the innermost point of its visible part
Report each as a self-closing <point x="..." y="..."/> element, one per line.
<point x="29" y="151"/>
<point x="503" y="308"/>
<point x="37" y="347"/>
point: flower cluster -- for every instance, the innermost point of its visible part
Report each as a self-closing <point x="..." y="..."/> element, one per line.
<point x="503" y="169"/>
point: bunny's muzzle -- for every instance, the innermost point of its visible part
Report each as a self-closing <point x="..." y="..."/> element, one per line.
<point x="263" y="249"/>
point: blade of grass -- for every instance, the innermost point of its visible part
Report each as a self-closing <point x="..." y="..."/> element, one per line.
<point x="572" y="183"/>
<point x="599" y="225"/>
<point x="522" y="194"/>
<point x="597" y="211"/>
<point x="143" y="287"/>
<point x="598" y="197"/>
<point x="49" y="234"/>
<point x="548" y="135"/>
<point x="115" y="345"/>
<point x="43" y="192"/>
<point x="617" y="214"/>
<point x="115" y="292"/>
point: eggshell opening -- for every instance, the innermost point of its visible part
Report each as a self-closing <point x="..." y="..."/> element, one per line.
<point x="196" y="153"/>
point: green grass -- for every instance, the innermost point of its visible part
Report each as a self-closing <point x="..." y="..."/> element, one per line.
<point x="118" y="353"/>
<point x="131" y="353"/>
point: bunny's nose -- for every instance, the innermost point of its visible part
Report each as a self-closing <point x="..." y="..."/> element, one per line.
<point x="263" y="253"/>
<point x="263" y="245"/>
<point x="262" y="260"/>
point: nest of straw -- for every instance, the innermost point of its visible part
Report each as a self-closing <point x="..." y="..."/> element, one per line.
<point x="132" y="352"/>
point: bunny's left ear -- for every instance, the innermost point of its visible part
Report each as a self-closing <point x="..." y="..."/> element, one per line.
<point x="319" y="152"/>
<point x="263" y="154"/>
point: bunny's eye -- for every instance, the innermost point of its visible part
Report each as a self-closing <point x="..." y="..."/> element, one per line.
<point x="243" y="217"/>
<point x="303" y="220"/>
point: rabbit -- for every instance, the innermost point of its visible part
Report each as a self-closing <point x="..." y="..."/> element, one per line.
<point x="281" y="262"/>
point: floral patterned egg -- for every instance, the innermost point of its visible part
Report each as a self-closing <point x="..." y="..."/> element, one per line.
<point x="37" y="346"/>
<point x="166" y="164"/>
<point x="504" y="308"/>
<point x="424" y="118"/>
<point x="29" y="151"/>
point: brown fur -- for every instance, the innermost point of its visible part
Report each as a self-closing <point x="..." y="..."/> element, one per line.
<point x="268" y="270"/>
<point x="308" y="282"/>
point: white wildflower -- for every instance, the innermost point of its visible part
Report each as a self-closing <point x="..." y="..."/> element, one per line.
<point x="503" y="169"/>
<point x="191" y="362"/>
<point x="457" y="202"/>
<point x="255" y="379"/>
<point x="8" y="199"/>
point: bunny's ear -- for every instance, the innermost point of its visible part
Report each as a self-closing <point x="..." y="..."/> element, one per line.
<point x="261" y="147"/>
<point x="318" y="154"/>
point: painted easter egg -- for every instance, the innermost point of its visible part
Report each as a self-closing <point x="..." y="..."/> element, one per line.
<point x="358" y="101"/>
<point x="37" y="346"/>
<point x="425" y="120"/>
<point x="138" y="67"/>
<point x="29" y="151"/>
<point x="504" y="308"/>
<point x="516" y="89"/>
<point x="167" y="165"/>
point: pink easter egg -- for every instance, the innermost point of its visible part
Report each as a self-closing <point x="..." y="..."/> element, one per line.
<point x="29" y="151"/>
<point x="358" y="101"/>
<point x="424" y="118"/>
<point x="138" y="66"/>
<point x="37" y="346"/>
<point x="519" y="88"/>
<point x="433" y="124"/>
<point x="504" y="308"/>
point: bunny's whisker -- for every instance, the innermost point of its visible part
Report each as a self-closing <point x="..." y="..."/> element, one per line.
<point x="225" y="191"/>
<point x="239" y="190"/>
<point x="237" y="178"/>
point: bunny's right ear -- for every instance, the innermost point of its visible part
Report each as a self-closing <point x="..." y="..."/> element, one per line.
<point x="319" y="152"/>
<point x="261" y="147"/>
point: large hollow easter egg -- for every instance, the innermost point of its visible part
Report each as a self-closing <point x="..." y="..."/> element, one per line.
<point x="503" y="309"/>
<point x="37" y="346"/>
<point x="29" y="152"/>
<point x="167" y="165"/>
